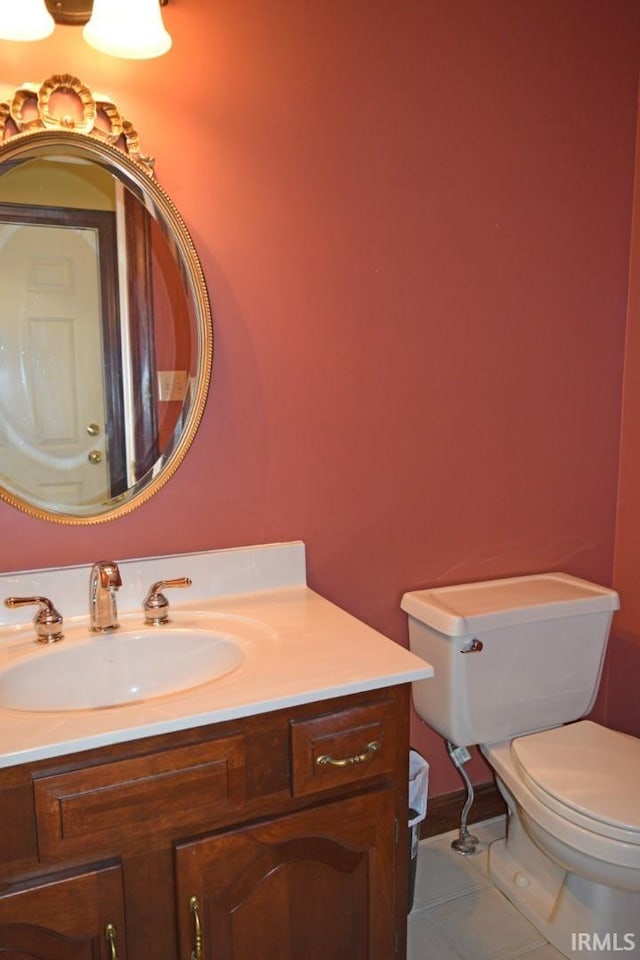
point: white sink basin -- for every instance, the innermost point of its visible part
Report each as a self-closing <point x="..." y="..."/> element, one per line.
<point x="86" y="671"/>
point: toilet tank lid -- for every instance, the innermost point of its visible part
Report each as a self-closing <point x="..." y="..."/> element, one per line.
<point x="468" y="608"/>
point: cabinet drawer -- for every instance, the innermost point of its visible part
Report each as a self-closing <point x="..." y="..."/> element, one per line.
<point x="343" y="747"/>
<point x="165" y="790"/>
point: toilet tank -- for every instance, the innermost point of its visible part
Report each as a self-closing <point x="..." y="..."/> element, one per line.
<point x="509" y="656"/>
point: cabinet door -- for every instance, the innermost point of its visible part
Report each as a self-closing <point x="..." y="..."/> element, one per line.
<point x="64" y="917"/>
<point x="316" y="885"/>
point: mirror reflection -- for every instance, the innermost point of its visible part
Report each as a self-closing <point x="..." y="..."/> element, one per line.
<point x="105" y="329"/>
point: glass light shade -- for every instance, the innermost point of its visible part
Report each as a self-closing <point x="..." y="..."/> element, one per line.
<point x="132" y="29"/>
<point x="25" y="20"/>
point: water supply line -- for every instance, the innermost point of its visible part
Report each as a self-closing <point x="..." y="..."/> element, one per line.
<point x="466" y="843"/>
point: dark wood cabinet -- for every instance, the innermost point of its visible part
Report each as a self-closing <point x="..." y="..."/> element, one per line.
<point x="77" y="916"/>
<point x="316" y="884"/>
<point x="275" y="837"/>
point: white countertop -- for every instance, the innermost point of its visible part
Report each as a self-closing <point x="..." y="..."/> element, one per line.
<point x="298" y="648"/>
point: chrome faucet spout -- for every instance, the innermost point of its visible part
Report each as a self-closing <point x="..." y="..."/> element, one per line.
<point x="103" y="583"/>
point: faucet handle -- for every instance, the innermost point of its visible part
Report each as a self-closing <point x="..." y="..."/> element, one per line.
<point x="156" y="605"/>
<point x="47" y="621"/>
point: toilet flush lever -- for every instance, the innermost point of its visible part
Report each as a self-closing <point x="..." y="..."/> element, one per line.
<point x="475" y="646"/>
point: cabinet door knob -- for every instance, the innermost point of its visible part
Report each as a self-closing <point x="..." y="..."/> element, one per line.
<point x="197" y="952"/>
<point x="371" y="748"/>
<point x="110" y="936"/>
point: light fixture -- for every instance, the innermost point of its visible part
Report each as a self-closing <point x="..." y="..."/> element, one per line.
<point x="123" y="28"/>
<point x="24" y="20"/>
<point x="127" y="28"/>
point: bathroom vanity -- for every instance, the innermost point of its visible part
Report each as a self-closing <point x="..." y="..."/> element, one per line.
<point x="260" y="816"/>
<point x="231" y="783"/>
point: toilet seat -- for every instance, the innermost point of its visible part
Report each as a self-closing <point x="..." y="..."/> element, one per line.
<point x="587" y="774"/>
<point x="584" y="834"/>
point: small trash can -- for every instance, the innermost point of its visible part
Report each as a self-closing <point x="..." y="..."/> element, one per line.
<point x="418" y="788"/>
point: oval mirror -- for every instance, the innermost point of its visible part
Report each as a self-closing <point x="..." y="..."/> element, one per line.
<point x="106" y="337"/>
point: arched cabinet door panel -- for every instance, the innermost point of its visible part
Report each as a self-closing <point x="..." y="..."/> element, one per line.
<point x="40" y="919"/>
<point x="315" y="884"/>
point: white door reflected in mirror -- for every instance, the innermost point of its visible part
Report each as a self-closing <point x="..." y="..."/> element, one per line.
<point x="51" y="338"/>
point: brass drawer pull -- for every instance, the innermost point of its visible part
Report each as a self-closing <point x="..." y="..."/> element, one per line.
<point x="197" y="952"/>
<point x="351" y="761"/>
<point x="110" y="936"/>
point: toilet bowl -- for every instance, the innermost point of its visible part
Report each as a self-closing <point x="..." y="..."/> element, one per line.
<point x="517" y="663"/>
<point x="571" y="858"/>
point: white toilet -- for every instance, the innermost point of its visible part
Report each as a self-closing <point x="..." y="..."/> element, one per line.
<point x="516" y="662"/>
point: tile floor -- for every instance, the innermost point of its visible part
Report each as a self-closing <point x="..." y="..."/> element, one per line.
<point x="457" y="913"/>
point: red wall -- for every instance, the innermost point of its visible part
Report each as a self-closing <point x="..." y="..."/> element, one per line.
<point x="619" y="696"/>
<point x="414" y="220"/>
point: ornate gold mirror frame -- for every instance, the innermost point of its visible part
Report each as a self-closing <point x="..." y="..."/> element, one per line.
<point x="148" y="273"/>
